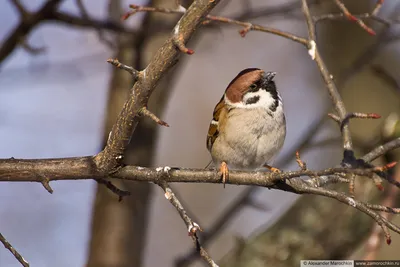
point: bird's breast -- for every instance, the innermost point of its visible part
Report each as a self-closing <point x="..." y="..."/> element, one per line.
<point x="254" y="135"/>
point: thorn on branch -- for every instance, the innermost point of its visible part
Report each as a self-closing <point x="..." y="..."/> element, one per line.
<point x="120" y="193"/>
<point x="145" y="112"/>
<point x="46" y="185"/>
<point x="302" y="164"/>
<point x="121" y="66"/>
<point x="246" y="29"/>
<point x="127" y="15"/>
<point x="177" y="39"/>
<point x="334" y="117"/>
<point x="134" y="10"/>
<point x="45" y="182"/>
<point x="351" y="17"/>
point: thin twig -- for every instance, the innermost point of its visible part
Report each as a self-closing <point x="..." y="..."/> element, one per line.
<point x="333" y="92"/>
<point x="341" y="16"/>
<point x="192" y="227"/>
<point x="351" y="17"/>
<point x="328" y="79"/>
<point x="246" y="25"/>
<point x="374" y="241"/>
<point x="358" y="115"/>
<point x="122" y="66"/>
<point x="353" y="115"/>
<point x="302" y="164"/>
<point x="18" y="256"/>
<point x="377" y="7"/>
<point x="383" y="222"/>
<point x="120" y="193"/>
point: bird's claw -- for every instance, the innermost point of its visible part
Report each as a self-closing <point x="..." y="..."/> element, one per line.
<point x="272" y="169"/>
<point x="224" y="172"/>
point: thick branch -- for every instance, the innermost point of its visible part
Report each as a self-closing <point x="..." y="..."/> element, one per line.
<point x="109" y="159"/>
<point x="26" y="170"/>
<point x="21" y="170"/>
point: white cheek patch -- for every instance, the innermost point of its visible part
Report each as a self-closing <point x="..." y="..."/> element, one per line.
<point x="265" y="100"/>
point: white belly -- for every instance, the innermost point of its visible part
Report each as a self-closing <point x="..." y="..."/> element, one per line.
<point x="250" y="139"/>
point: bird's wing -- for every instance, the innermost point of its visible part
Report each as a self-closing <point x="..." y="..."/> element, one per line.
<point x="213" y="130"/>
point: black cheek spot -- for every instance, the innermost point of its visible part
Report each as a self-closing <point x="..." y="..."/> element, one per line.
<point x="252" y="100"/>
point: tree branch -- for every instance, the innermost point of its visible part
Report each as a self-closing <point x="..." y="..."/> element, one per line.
<point x="109" y="159"/>
<point x="18" y="256"/>
<point x="108" y="163"/>
<point x="192" y="227"/>
<point x="82" y="168"/>
<point x="28" y="22"/>
<point x="247" y="26"/>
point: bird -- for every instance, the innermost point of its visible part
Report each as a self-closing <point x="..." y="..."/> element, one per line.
<point x="248" y="127"/>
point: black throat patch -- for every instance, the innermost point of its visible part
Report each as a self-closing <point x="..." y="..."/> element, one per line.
<point x="271" y="88"/>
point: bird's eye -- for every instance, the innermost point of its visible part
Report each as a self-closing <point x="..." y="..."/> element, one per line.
<point x="253" y="86"/>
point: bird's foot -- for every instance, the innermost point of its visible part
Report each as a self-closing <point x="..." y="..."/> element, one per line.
<point x="272" y="169"/>
<point x="224" y="172"/>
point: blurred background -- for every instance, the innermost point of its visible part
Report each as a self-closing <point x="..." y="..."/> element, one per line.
<point x="59" y="98"/>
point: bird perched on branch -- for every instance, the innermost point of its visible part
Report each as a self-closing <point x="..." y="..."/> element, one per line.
<point x="248" y="126"/>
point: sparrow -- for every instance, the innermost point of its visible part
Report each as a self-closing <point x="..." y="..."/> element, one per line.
<point x="248" y="127"/>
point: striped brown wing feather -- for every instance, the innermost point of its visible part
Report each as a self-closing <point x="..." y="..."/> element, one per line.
<point x="213" y="130"/>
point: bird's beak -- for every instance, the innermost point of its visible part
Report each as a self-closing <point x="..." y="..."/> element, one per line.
<point x="269" y="76"/>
